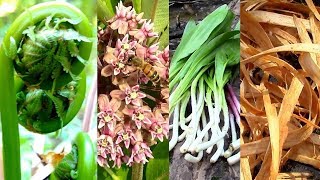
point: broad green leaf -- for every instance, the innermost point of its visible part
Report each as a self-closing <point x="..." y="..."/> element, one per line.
<point x="207" y="48"/>
<point x="228" y="55"/>
<point x="175" y="66"/>
<point x="137" y="5"/>
<point x="233" y="52"/>
<point x="164" y="39"/>
<point x="160" y="15"/>
<point x="106" y="9"/>
<point x="147" y="7"/>
<point x="158" y="167"/>
<point x="190" y="28"/>
<point x="225" y="26"/>
<point x="187" y="33"/>
<point x="220" y="66"/>
<point x="200" y="54"/>
<point x="202" y="32"/>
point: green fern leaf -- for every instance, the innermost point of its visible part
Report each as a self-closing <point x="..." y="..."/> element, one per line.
<point x="58" y="103"/>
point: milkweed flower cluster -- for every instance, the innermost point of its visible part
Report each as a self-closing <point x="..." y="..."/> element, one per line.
<point x="133" y="112"/>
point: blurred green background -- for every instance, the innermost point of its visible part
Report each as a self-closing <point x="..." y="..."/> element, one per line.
<point x="30" y="143"/>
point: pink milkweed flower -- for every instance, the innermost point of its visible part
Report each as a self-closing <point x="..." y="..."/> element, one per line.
<point x="110" y="59"/>
<point x="143" y="79"/>
<point x="122" y="67"/>
<point x="165" y="93"/>
<point x="116" y="58"/>
<point x="118" y="156"/>
<point x="105" y="146"/>
<point x="164" y="56"/>
<point x="143" y="52"/>
<point x="152" y="51"/>
<point x="115" y="68"/>
<point x="162" y="70"/>
<point x="109" y="56"/>
<point x="159" y="127"/>
<point x="107" y="71"/>
<point x="140" y="115"/>
<point x="118" y="161"/>
<point x="102" y="161"/>
<point x="162" y="65"/>
<point x="125" y="48"/>
<point x="129" y="94"/>
<point x="164" y="108"/>
<point x="126" y="136"/>
<point x="134" y="96"/>
<point x="108" y="111"/>
<point x="146" y="31"/>
<point x="120" y="21"/>
<point x="135" y="20"/>
<point x="140" y="153"/>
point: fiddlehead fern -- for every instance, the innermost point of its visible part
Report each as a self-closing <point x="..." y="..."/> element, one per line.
<point x="79" y="163"/>
<point x="48" y="46"/>
<point x="48" y="61"/>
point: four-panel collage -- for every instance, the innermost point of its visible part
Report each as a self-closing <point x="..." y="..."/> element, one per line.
<point x="159" y="89"/>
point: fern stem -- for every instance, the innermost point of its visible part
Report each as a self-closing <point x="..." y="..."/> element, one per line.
<point x="9" y="120"/>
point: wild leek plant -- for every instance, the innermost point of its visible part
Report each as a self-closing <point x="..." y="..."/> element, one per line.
<point x="203" y="64"/>
<point x="42" y="59"/>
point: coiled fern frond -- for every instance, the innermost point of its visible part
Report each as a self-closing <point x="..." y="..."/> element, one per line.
<point x="49" y="60"/>
<point x="42" y="81"/>
<point x="48" y="51"/>
<point x="80" y="163"/>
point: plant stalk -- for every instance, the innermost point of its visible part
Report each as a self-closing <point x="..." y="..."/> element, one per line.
<point x="9" y="120"/>
<point x="137" y="171"/>
<point x="111" y="173"/>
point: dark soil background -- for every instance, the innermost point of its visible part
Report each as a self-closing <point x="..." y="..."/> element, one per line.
<point x="180" y="169"/>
